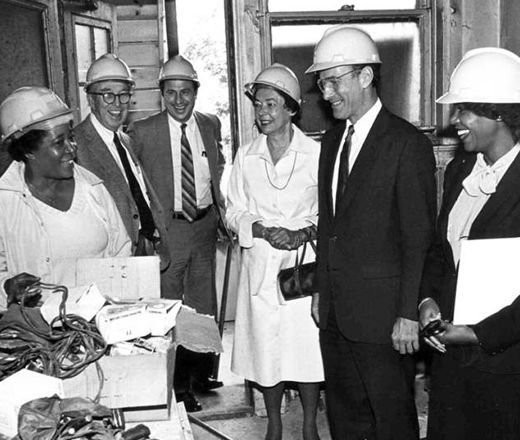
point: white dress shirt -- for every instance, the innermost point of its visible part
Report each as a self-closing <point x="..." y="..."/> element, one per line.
<point x="200" y="162"/>
<point x="108" y="139"/>
<point x="361" y="129"/>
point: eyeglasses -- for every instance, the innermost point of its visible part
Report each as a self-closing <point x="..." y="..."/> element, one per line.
<point x="332" y="81"/>
<point x="110" y="98"/>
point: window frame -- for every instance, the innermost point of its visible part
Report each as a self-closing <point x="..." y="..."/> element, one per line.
<point x="104" y="18"/>
<point x="424" y="17"/>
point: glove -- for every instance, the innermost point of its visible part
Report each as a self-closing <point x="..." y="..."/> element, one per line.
<point x="16" y="289"/>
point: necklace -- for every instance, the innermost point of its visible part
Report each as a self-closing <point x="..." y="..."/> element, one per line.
<point x="288" y="180"/>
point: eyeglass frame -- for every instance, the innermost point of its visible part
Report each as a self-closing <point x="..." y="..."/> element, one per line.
<point x="115" y="95"/>
<point x="333" y="80"/>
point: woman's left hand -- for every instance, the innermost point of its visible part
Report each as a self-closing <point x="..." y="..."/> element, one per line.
<point x="282" y="238"/>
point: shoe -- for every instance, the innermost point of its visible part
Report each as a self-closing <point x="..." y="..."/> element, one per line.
<point x="207" y="385"/>
<point x="190" y="401"/>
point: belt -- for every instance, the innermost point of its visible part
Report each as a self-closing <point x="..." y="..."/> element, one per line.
<point x="201" y="213"/>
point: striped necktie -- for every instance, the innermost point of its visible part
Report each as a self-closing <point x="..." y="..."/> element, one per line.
<point x="343" y="165"/>
<point x="189" y="198"/>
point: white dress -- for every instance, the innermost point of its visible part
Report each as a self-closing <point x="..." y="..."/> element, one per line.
<point x="274" y="340"/>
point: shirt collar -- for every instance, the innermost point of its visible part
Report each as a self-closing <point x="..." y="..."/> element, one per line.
<point x="364" y="124"/>
<point x="299" y="144"/>
<point x="190" y="123"/>
<point x="484" y="178"/>
<point x="106" y="134"/>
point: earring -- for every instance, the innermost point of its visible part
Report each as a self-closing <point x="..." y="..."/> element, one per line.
<point x="499" y="119"/>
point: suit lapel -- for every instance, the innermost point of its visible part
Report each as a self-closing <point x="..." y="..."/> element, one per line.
<point x="208" y="139"/>
<point x="363" y="164"/>
<point x="330" y="152"/>
<point x="105" y="160"/>
<point x="506" y="193"/>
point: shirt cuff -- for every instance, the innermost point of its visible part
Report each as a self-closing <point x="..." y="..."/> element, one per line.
<point x="422" y="302"/>
<point x="245" y="230"/>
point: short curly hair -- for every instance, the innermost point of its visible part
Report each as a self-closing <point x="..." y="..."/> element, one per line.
<point x="508" y="113"/>
<point x="18" y="148"/>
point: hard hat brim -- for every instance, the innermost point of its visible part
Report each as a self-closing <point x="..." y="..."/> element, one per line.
<point x="249" y="90"/>
<point x="110" y="78"/>
<point x="179" y="77"/>
<point x="456" y="98"/>
<point x="43" y="124"/>
<point x="317" y="67"/>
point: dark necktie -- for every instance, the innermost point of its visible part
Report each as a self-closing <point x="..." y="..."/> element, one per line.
<point x="147" y="223"/>
<point x="189" y="197"/>
<point x="343" y="165"/>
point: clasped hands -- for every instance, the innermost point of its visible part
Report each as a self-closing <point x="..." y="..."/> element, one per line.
<point x="279" y="237"/>
<point x="438" y="333"/>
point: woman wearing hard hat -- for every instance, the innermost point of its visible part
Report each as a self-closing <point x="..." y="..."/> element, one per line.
<point x="53" y="210"/>
<point x="273" y="207"/>
<point x="475" y="379"/>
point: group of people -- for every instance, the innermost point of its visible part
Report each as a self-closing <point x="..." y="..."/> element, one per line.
<point x="386" y="266"/>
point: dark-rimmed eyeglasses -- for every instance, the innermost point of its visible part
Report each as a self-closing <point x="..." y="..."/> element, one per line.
<point x="110" y="97"/>
<point x="332" y="81"/>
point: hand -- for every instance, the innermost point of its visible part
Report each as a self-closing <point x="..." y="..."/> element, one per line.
<point x="282" y="238"/>
<point x="428" y="312"/>
<point x="315" y="308"/>
<point x="16" y="286"/>
<point x="458" y="335"/>
<point x="405" y="336"/>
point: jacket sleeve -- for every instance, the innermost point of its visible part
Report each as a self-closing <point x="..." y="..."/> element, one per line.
<point x="501" y="329"/>
<point x="416" y="201"/>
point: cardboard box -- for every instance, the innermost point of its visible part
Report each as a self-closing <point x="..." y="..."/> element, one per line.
<point x="139" y="381"/>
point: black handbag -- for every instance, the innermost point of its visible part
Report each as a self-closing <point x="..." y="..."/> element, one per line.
<point x="298" y="281"/>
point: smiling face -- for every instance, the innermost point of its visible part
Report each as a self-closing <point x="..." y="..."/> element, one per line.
<point x="179" y="98"/>
<point x="54" y="157"/>
<point x="349" y="90"/>
<point x="111" y="116"/>
<point x="478" y="133"/>
<point x="271" y="114"/>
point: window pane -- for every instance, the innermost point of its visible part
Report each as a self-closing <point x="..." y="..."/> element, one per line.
<point x="398" y="44"/>
<point x="202" y="39"/>
<point x="101" y="43"/>
<point x="83" y="50"/>
<point x="22" y="48"/>
<point x="335" y="5"/>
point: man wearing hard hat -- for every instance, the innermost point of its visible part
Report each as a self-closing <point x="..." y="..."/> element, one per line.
<point x="181" y="151"/>
<point x="376" y="220"/>
<point x="107" y="152"/>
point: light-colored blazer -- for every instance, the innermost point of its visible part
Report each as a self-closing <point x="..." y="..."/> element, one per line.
<point x="93" y="154"/>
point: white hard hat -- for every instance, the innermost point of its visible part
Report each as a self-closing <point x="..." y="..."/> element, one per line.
<point x="178" y="67"/>
<point x="487" y="75"/>
<point x="341" y="46"/>
<point x="31" y="108"/>
<point x="108" y="67"/>
<point x="280" y="78"/>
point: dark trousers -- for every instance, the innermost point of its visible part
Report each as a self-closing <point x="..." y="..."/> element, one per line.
<point x="191" y="276"/>
<point x="369" y="388"/>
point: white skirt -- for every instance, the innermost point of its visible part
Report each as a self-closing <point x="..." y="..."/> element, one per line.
<point x="275" y="342"/>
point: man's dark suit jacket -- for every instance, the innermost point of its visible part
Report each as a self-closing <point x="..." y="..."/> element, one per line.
<point x="499" y="334"/>
<point x="152" y="146"/>
<point x="93" y="154"/>
<point x="371" y="252"/>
